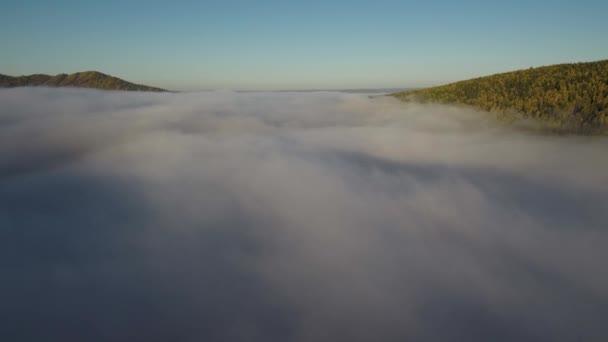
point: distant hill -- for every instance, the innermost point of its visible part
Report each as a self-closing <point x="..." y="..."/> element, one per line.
<point x="88" y="79"/>
<point x="565" y="97"/>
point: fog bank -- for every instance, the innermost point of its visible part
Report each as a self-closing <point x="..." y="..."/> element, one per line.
<point x="321" y="216"/>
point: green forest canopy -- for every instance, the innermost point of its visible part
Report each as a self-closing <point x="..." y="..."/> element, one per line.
<point x="567" y="97"/>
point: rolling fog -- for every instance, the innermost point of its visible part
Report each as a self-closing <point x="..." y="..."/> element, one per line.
<point x="322" y="216"/>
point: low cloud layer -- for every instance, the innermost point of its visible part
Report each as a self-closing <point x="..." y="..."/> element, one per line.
<point x="223" y="216"/>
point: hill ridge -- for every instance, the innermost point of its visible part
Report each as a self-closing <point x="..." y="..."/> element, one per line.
<point x="85" y="79"/>
<point x="571" y="97"/>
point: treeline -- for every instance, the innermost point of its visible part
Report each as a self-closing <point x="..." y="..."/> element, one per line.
<point x="566" y="97"/>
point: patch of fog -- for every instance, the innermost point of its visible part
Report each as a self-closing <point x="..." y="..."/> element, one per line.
<point x="293" y="217"/>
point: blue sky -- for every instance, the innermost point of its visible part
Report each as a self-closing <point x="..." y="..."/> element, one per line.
<point x="188" y="45"/>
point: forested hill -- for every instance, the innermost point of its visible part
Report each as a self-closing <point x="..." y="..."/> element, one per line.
<point x="566" y="97"/>
<point x="88" y="79"/>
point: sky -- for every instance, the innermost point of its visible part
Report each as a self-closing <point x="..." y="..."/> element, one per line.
<point x="195" y="45"/>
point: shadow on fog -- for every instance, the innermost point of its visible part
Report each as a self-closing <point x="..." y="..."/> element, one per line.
<point x="91" y="270"/>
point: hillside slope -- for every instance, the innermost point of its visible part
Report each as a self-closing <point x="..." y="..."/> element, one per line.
<point x="565" y="97"/>
<point x="88" y="79"/>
